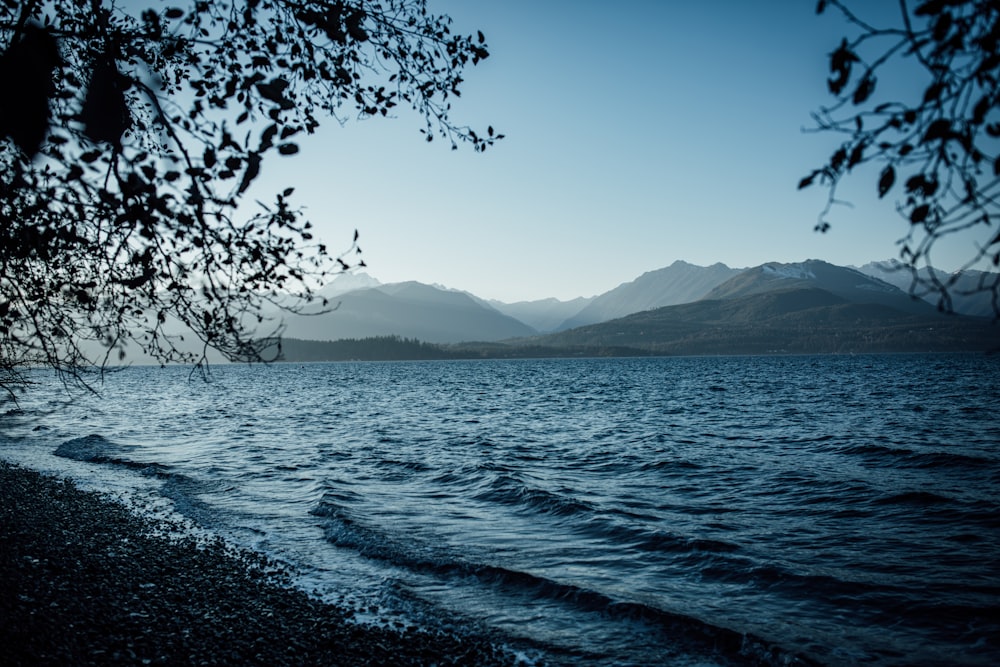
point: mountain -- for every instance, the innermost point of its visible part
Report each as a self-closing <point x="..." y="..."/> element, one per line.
<point x="805" y="307"/>
<point x="793" y="319"/>
<point x="544" y="315"/>
<point x="410" y="310"/>
<point x="971" y="291"/>
<point x="347" y="282"/>
<point x="678" y="283"/>
<point x="809" y="306"/>
<point x="848" y="283"/>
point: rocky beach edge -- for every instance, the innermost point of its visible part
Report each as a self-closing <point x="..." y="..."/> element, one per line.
<point x="86" y="581"/>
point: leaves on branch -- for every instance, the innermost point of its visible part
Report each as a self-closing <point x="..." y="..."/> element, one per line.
<point x="840" y="65"/>
<point x="151" y="125"/>
<point x="26" y="69"/>
<point x="274" y="90"/>
<point x="353" y="25"/>
<point x="105" y="114"/>
<point x="937" y="140"/>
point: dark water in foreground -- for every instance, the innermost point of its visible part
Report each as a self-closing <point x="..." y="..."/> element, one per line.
<point x="620" y="511"/>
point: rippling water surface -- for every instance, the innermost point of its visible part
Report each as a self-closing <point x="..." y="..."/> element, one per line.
<point x="622" y="511"/>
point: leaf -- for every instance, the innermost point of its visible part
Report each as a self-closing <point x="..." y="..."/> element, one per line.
<point x="288" y="192"/>
<point x="840" y="64"/>
<point x="274" y="90"/>
<point x="996" y="166"/>
<point x="923" y="185"/>
<point x="939" y="129"/>
<point x="919" y="214"/>
<point x="173" y="13"/>
<point x="864" y="90"/>
<point x="886" y="181"/>
<point x="933" y="92"/>
<point x="353" y="25"/>
<point x="942" y="27"/>
<point x="252" y="171"/>
<point x="981" y="109"/>
<point x="288" y="149"/>
<point x="857" y="155"/>
<point x="820" y="6"/>
<point x="837" y="160"/>
<point x="808" y="180"/>
<point x="267" y="137"/>
<point x="929" y="8"/>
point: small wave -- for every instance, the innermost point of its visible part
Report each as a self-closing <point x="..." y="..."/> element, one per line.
<point x="651" y="540"/>
<point x="921" y="498"/>
<point x="661" y="542"/>
<point x="902" y="456"/>
<point x="344" y="531"/>
<point x="411" y="466"/>
<point x="91" y="448"/>
<point x="509" y="490"/>
<point x="98" y="449"/>
<point x="184" y="491"/>
<point x="670" y="465"/>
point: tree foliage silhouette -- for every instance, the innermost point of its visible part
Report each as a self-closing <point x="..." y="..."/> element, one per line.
<point x="938" y="154"/>
<point x="130" y="135"/>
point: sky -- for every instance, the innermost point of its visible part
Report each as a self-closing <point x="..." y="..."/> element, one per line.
<point x="637" y="133"/>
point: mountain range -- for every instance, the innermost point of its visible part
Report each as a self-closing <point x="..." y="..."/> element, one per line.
<point x="812" y="307"/>
<point x="409" y="309"/>
<point x="687" y="302"/>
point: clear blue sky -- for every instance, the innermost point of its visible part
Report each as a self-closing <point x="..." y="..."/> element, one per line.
<point x="638" y="133"/>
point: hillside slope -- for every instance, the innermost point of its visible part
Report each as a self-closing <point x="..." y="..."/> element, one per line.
<point x="678" y="283"/>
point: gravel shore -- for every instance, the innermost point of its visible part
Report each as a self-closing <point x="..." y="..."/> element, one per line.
<point x="85" y="581"/>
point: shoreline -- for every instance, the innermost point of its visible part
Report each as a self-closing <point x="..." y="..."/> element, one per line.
<point x="84" y="580"/>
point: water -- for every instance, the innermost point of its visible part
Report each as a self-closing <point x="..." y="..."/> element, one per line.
<point x="698" y="511"/>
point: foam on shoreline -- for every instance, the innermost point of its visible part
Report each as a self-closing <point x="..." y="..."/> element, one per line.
<point x="83" y="580"/>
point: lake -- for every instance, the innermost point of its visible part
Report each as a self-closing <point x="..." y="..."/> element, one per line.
<point x="700" y="511"/>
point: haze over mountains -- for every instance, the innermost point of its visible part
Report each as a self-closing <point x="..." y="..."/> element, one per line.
<point x="715" y="294"/>
<point x="411" y="310"/>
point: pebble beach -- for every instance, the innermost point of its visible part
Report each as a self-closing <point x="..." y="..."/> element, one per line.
<point x="86" y="581"/>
